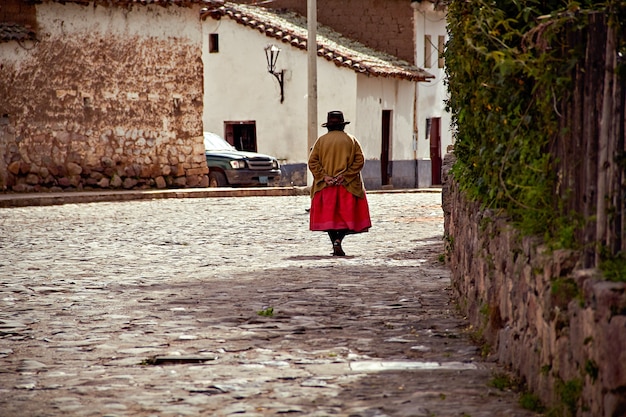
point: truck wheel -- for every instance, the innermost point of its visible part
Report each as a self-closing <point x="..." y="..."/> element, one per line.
<point x="217" y="179"/>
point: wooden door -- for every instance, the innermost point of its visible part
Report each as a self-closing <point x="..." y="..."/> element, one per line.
<point x="385" y="165"/>
<point x="435" y="150"/>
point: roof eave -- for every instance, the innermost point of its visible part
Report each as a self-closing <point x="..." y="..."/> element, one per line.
<point x="219" y="9"/>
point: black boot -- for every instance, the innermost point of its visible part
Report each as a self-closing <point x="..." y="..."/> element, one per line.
<point x="337" y="250"/>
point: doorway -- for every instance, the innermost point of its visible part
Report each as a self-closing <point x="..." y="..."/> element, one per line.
<point x="242" y="135"/>
<point x="385" y="163"/>
<point x="433" y="132"/>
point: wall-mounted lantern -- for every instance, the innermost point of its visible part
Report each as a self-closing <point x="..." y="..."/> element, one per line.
<point x="271" y="54"/>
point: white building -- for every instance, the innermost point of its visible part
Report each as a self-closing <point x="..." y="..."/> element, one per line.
<point x="376" y="92"/>
<point x="434" y="134"/>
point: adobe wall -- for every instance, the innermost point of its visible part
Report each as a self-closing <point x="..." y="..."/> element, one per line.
<point x="75" y="115"/>
<point x="561" y="329"/>
<point x="384" y="25"/>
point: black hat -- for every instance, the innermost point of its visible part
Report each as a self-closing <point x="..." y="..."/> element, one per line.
<point x="334" y="118"/>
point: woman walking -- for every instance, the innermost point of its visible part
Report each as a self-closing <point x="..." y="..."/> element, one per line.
<point x="339" y="203"/>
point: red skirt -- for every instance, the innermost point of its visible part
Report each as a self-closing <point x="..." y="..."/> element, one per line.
<point x="334" y="208"/>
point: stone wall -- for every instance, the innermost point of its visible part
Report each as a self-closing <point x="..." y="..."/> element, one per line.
<point x="560" y="328"/>
<point x="384" y="25"/>
<point x="109" y="97"/>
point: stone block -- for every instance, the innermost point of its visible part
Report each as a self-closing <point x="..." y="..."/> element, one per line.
<point x="613" y="351"/>
<point x="615" y="404"/>
<point x="198" y="146"/>
<point x="54" y="170"/>
<point x="160" y="182"/>
<point x="129" y="183"/>
<point x="75" y="180"/>
<point x="154" y="171"/>
<point x="63" y="138"/>
<point x="32" y="179"/>
<point x="116" y="181"/>
<point x="129" y="171"/>
<point x="64" y="182"/>
<point x="193" y="180"/>
<point x="107" y="162"/>
<point x="197" y="171"/>
<point x="104" y="182"/>
<point x="608" y="297"/>
<point x="74" y="169"/>
<point x="21" y="188"/>
<point x="147" y="171"/>
<point x="14" y="167"/>
<point x="24" y="167"/>
<point x="564" y="262"/>
<point x="198" y="159"/>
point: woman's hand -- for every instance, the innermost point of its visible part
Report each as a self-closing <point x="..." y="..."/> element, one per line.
<point x="338" y="180"/>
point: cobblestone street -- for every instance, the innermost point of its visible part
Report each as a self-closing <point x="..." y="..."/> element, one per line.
<point x="231" y="306"/>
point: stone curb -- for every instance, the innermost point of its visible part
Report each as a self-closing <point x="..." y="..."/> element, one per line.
<point x="76" y="197"/>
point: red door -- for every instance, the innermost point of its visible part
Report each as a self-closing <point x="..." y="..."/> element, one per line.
<point x="385" y="166"/>
<point x="435" y="150"/>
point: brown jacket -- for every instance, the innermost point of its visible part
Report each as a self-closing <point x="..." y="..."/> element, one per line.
<point x="335" y="153"/>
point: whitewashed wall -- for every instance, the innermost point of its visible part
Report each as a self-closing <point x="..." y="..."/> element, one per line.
<point x="376" y="95"/>
<point x="239" y="87"/>
<point x="430" y="96"/>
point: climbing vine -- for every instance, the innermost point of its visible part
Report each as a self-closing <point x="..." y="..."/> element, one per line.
<point x="509" y="66"/>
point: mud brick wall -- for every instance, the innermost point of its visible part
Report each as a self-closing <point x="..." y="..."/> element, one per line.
<point x="113" y="107"/>
<point x="561" y="329"/>
<point x="384" y="25"/>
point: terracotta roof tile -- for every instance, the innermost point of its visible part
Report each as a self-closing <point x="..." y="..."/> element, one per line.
<point x="289" y="27"/>
<point x="440" y="5"/>
<point x="15" y="32"/>
<point x="164" y="3"/>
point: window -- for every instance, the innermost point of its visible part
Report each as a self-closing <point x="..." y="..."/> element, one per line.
<point x="241" y="134"/>
<point x="441" y="44"/>
<point x="427" y="51"/>
<point x="214" y="43"/>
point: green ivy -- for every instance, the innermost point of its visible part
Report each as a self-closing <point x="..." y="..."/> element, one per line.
<point x="614" y="267"/>
<point x="507" y="69"/>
